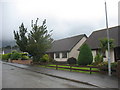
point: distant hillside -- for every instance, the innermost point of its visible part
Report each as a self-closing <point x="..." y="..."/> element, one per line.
<point x="7" y="43"/>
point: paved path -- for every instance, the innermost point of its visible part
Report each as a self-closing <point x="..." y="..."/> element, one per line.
<point x="102" y="81"/>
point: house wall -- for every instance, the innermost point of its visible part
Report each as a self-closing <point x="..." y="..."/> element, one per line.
<point x="74" y="52"/>
<point x="94" y="54"/>
<point x="112" y="57"/>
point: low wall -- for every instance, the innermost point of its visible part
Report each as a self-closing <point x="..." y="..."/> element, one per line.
<point x="22" y="61"/>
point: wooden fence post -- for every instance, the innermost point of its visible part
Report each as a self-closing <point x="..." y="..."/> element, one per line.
<point x="56" y="67"/>
<point x="90" y="70"/>
<point x="70" y="68"/>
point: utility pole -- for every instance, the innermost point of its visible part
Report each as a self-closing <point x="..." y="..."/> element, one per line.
<point x="109" y="62"/>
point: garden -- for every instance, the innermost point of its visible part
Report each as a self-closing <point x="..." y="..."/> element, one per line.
<point x="84" y="63"/>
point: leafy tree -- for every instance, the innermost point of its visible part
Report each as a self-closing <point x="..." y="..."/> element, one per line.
<point x="104" y="44"/>
<point x="37" y="41"/>
<point x="85" y="56"/>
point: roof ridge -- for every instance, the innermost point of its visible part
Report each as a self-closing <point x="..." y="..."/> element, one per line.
<point x="71" y="37"/>
<point x="105" y="28"/>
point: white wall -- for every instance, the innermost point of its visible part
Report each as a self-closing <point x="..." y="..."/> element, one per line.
<point x="112" y="57"/>
<point x="74" y="52"/>
<point x="94" y="54"/>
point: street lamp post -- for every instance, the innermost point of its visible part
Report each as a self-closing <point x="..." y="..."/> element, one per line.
<point x="109" y="62"/>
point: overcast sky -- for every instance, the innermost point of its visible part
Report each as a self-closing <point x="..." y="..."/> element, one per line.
<point x="65" y="17"/>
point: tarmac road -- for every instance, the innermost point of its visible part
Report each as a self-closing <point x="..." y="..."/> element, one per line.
<point x="13" y="77"/>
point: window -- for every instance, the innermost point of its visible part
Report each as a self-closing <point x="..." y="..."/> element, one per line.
<point x="97" y="52"/>
<point x="104" y="54"/>
<point x="64" y="55"/>
<point x="57" y="55"/>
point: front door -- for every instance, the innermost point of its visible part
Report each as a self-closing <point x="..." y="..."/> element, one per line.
<point x="117" y="53"/>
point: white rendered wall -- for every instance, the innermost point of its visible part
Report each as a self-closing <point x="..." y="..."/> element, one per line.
<point x="74" y="52"/>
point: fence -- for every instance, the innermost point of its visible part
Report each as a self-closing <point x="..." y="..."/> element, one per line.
<point x="82" y="68"/>
<point x="73" y="67"/>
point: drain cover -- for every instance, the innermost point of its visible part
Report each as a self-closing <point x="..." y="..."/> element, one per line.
<point x="12" y="69"/>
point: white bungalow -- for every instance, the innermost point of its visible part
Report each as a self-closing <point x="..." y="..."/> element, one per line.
<point x="94" y="43"/>
<point x="65" y="48"/>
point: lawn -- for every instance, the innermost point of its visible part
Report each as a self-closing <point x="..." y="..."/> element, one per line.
<point x="83" y="68"/>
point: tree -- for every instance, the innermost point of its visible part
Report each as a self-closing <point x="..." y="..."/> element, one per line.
<point x="21" y="39"/>
<point x="85" y="56"/>
<point x="38" y="40"/>
<point x="104" y="44"/>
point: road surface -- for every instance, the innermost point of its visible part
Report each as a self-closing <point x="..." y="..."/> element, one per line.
<point x="13" y="77"/>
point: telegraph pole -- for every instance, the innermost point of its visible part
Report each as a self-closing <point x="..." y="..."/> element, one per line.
<point x="109" y="62"/>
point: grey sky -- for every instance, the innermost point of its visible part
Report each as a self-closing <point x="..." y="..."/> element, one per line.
<point x="65" y="17"/>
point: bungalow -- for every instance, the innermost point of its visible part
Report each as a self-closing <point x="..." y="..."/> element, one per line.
<point x="94" y="43"/>
<point x="63" y="49"/>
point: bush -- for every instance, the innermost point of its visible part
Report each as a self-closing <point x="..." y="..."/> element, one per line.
<point x="85" y="56"/>
<point x="24" y="57"/>
<point x="51" y="59"/>
<point x="98" y="59"/>
<point x="114" y="65"/>
<point x="71" y="60"/>
<point x="5" y="57"/>
<point x="45" y="58"/>
<point x="0" y="56"/>
<point x="9" y="55"/>
<point x="104" y="66"/>
<point x="15" y="55"/>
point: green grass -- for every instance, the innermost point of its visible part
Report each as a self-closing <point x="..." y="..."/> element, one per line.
<point x="84" y="68"/>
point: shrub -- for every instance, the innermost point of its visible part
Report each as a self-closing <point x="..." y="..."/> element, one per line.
<point x="85" y="56"/>
<point x="104" y="66"/>
<point x="45" y="58"/>
<point x="71" y="60"/>
<point x="0" y="56"/>
<point x="98" y="59"/>
<point x="5" y="57"/>
<point x="51" y="59"/>
<point x="114" y="65"/>
<point x="23" y="57"/>
<point x="9" y="55"/>
<point x="15" y="55"/>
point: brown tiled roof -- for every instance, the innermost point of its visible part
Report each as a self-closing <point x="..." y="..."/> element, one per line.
<point x="114" y="33"/>
<point x="65" y="44"/>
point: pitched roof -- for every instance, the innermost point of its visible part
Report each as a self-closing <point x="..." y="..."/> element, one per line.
<point x="114" y="33"/>
<point x="65" y="44"/>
